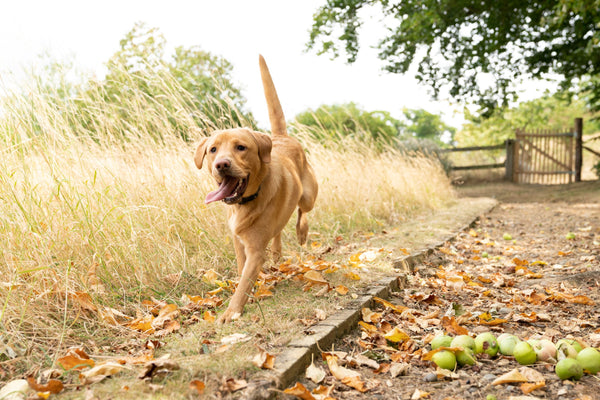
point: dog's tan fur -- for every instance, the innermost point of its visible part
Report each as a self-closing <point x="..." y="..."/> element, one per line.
<point x="278" y="172"/>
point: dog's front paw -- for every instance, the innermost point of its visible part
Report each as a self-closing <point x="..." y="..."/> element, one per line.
<point x="228" y="316"/>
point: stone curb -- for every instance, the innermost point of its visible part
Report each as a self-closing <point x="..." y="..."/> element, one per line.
<point x="293" y="362"/>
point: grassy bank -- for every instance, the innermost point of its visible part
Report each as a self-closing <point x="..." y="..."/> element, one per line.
<point x="101" y="208"/>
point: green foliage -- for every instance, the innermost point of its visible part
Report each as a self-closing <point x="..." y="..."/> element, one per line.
<point x="461" y="45"/>
<point x="205" y="76"/>
<point x="425" y="125"/>
<point x="140" y="65"/>
<point x="418" y="134"/>
<point x="142" y="95"/>
<point x="334" y="122"/>
<point x="547" y="112"/>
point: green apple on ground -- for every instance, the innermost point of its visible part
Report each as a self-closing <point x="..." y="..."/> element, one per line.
<point x="569" y="368"/>
<point x="486" y="343"/>
<point x="524" y="353"/>
<point x="445" y="359"/>
<point x="576" y="345"/>
<point x="463" y="341"/>
<point x="465" y="357"/>
<point x="441" y="341"/>
<point x="589" y="358"/>
<point x="544" y="349"/>
<point x="507" y="343"/>
<point x="564" y="349"/>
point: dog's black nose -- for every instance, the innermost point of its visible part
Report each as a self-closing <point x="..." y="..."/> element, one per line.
<point x="222" y="165"/>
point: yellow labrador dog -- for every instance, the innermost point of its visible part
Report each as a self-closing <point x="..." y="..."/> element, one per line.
<point x="262" y="179"/>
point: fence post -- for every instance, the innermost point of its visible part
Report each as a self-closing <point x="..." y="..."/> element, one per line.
<point x="510" y="160"/>
<point x="578" y="148"/>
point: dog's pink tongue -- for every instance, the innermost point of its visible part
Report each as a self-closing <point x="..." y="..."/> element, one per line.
<point x="226" y="188"/>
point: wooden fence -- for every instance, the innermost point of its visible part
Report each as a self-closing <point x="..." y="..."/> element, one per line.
<point x="544" y="156"/>
<point x="540" y="156"/>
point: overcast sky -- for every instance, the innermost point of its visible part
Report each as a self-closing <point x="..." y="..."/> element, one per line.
<point x="238" y="30"/>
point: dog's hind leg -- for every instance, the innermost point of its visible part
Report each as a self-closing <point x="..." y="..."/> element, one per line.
<point x="302" y="227"/>
<point x="276" y="247"/>
<point x="310" y="188"/>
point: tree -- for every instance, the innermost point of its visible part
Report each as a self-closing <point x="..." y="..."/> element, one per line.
<point x="337" y="121"/>
<point x="462" y="45"/>
<point x="425" y="125"/>
<point x="547" y="112"/>
<point x="205" y="75"/>
<point x="140" y="65"/>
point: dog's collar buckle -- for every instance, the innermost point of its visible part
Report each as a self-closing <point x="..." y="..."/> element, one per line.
<point x="249" y="198"/>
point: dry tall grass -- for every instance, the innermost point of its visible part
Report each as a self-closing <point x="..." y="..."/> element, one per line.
<point x="106" y="207"/>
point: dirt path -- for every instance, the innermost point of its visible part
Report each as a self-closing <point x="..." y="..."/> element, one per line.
<point x="530" y="268"/>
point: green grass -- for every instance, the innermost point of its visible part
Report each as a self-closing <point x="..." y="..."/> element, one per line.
<point x="105" y="199"/>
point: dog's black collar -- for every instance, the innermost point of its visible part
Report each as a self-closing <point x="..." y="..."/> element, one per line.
<point x="249" y="198"/>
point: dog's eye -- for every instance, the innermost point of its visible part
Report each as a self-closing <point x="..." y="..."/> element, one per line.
<point x="213" y="149"/>
<point x="240" y="147"/>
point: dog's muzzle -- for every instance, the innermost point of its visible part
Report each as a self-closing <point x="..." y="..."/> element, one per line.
<point x="231" y="190"/>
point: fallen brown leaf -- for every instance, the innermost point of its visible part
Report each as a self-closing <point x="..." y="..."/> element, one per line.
<point x="263" y="291"/>
<point x="341" y="290"/>
<point x="159" y="366"/>
<point x="140" y="359"/>
<point x="399" y="369"/>
<point x="197" y="386"/>
<point x="324" y="392"/>
<point x="84" y="300"/>
<point x="397" y="335"/>
<point x="233" y="385"/>
<point x="210" y="276"/>
<point x="512" y="376"/>
<point x="346" y="376"/>
<point x="451" y="326"/>
<point x="112" y="316"/>
<point x="369" y="316"/>
<point x="166" y="314"/>
<point x="314" y="373"/>
<point x="209" y="316"/>
<point x="419" y="394"/>
<point x="396" y="308"/>
<point x="531" y="374"/>
<point x="352" y="275"/>
<point x="76" y="359"/>
<point x="263" y="359"/>
<point x="363" y="360"/>
<point x="300" y="391"/>
<point x="99" y="372"/>
<point x="142" y="324"/>
<point x="315" y="278"/>
<point x="53" y="386"/>
<point x="169" y="327"/>
<point x="528" y="387"/>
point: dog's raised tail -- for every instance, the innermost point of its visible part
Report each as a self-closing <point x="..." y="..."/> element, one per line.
<point x="278" y="125"/>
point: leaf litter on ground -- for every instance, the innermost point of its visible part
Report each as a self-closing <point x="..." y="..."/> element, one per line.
<point x="456" y="291"/>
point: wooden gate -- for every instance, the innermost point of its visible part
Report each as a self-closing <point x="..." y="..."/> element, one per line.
<point x="547" y="157"/>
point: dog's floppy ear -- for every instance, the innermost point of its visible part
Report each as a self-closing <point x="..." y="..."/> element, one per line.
<point x="200" y="153"/>
<point x="264" y="146"/>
